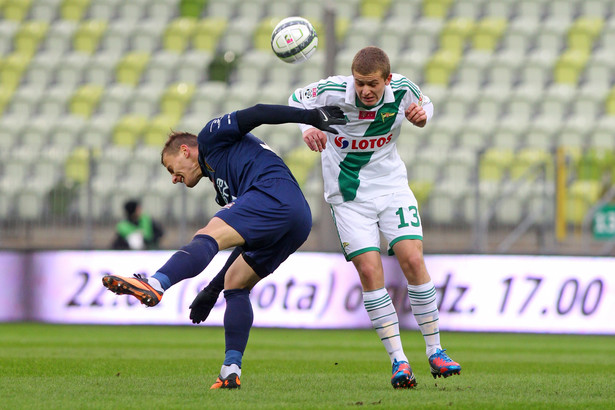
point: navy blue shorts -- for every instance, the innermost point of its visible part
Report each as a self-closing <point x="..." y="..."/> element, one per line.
<point x="273" y="218"/>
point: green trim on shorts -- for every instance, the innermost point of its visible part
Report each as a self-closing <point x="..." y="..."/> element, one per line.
<point x="360" y="251"/>
<point x="401" y="238"/>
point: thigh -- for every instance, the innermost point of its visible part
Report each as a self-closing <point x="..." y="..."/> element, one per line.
<point x="357" y="227"/>
<point x="240" y="275"/>
<point x="399" y="218"/>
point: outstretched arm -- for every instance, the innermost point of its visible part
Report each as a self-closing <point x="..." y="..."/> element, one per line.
<point x="322" y="118"/>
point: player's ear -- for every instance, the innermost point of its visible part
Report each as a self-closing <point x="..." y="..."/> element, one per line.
<point x="184" y="150"/>
<point x="388" y="79"/>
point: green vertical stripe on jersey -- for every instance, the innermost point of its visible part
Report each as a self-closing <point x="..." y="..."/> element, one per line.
<point x="349" y="173"/>
<point x="385" y="117"/>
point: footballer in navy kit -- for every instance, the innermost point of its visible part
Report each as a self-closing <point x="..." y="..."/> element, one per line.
<point x="264" y="216"/>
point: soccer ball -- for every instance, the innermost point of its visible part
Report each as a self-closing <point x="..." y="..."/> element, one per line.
<point x="294" y="40"/>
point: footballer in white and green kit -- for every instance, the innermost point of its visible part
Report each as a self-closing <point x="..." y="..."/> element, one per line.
<point x="362" y="165"/>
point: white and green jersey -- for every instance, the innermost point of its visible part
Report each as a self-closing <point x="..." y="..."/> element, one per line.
<point x="362" y="162"/>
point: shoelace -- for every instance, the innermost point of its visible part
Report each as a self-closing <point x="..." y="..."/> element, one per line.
<point x="140" y="276"/>
<point x="442" y="355"/>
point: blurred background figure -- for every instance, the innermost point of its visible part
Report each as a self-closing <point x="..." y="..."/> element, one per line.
<point x="138" y="230"/>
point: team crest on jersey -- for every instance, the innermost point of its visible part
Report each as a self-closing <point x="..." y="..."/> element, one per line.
<point x="345" y="245"/>
<point x="309" y="93"/>
<point x="386" y="115"/>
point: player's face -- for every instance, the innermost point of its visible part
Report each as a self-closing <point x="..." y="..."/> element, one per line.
<point x="183" y="167"/>
<point x="370" y="87"/>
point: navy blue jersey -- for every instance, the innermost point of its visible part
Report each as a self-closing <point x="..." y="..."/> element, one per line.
<point x="234" y="161"/>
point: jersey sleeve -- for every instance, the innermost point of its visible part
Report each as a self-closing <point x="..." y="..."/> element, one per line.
<point x="414" y="95"/>
<point x="308" y="98"/>
<point x="220" y="132"/>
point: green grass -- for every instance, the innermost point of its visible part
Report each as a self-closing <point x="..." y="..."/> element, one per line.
<point x="57" y="366"/>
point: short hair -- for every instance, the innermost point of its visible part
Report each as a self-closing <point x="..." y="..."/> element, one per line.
<point x="370" y="60"/>
<point x="176" y="140"/>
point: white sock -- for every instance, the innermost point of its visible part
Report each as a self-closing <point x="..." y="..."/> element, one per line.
<point x="425" y="309"/>
<point x="384" y="319"/>
<point x="226" y="370"/>
<point x="154" y="283"/>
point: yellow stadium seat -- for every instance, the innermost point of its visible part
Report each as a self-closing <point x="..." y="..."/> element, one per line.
<point x="495" y="163"/>
<point x="73" y="9"/>
<point x="176" y="98"/>
<point x="569" y="66"/>
<point x="436" y="8"/>
<point x="178" y="33"/>
<point x="128" y="130"/>
<point x="421" y="190"/>
<point x="488" y="32"/>
<point x="88" y="35"/>
<point x="582" y="194"/>
<point x="29" y="36"/>
<point x="157" y="130"/>
<point x="6" y="93"/>
<point x="375" y="8"/>
<point x="77" y="165"/>
<point x="85" y="100"/>
<point x="528" y="161"/>
<point x="12" y="69"/>
<point x="16" y="10"/>
<point x="455" y="33"/>
<point x="207" y="33"/>
<point x="583" y="33"/>
<point x="131" y="66"/>
<point x="441" y="66"/>
<point x="301" y="162"/>
<point x="262" y="33"/>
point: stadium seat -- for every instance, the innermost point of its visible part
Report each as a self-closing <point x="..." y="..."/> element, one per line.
<point x="377" y="9"/>
<point x="12" y="69"/>
<point x="100" y="69"/>
<point x="455" y="33"/>
<point x="73" y="9"/>
<point x="476" y="133"/>
<point x="29" y="36"/>
<point x="542" y="132"/>
<point x="427" y="166"/>
<point x="459" y="165"/>
<point x="98" y="132"/>
<point x="85" y="100"/>
<point x="132" y="11"/>
<point x="175" y="99"/>
<point x="223" y="9"/>
<point x="550" y="37"/>
<point x="561" y="10"/>
<point x="255" y="65"/>
<point x="191" y="8"/>
<point x="128" y="130"/>
<point x="178" y="33"/>
<point x="206" y="99"/>
<point x="16" y="10"/>
<point x="492" y="101"/>
<point x="161" y="67"/>
<point x="58" y="39"/>
<point x="208" y="32"/>
<point x="495" y="163"/>
<point x="440" y="67"/>
<point x="583" y="33"/>
<point x="10" y="131"/>
<point x="146" y="37"/>
<point x="114" y="101"/>
<point x="54" y="102"/>
<point x="537" y="70"/>
<point x="575" y="132"/>
<point x="146" y="99"/>
<point x="103" y="9"/>
<point x="254" y="9"/>
<point x="519" y="35"/>
<point x="570" y="65"/>
<point x="29" y="205"/>
<point x="116" y="39"/>
<point x="238" y="35"/>
<point x="600" y="69"/>
<point x="595" y="8"/>
<point x="6" y="94"/>
<point x="7" y="32"/>
<point x="404" y="10"/>
<point x="488" y="191"/>
<point x="67" y="131"/>
<point x="582" y="194"/>
<point x="472" y="67"/>
<point x="528" y="162"/>
<point x="488" y="32"/>
<point x="157" y="130"/>
<point x="77" y="166"/>
<point x="425" y="35"/>
<point x="162" y="10"/>
<point x="442" y="207"/>
<point x="193" y="67"/>
<point x="602" y="136"/>
<point x="88" y="35"/>
<point x="469" y="9"/>
<point x="500" y="8"/>
<point x="129" y="69"/>
<point x="69" y="72"/>
<point x="436" y="8"/>
<point x="301" y="162"/>
<point x="44" y="10"/>
<point x="557" y="100"/>
<point x="24" y="100"/>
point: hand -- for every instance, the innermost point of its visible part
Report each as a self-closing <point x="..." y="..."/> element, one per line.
<point x="202" y="304"/>
<point x="315" y="139"/>
<point x="416" y="115"/>
<point x="329" y="115"/>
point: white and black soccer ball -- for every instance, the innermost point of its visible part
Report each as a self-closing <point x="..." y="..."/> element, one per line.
<point x="294" y="40"/>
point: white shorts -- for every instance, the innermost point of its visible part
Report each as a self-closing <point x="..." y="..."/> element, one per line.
<point x="359" y="223"/>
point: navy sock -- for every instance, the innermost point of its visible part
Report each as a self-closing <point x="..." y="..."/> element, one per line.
<point x="188" y="262"/>
<point x="238" y="318"/>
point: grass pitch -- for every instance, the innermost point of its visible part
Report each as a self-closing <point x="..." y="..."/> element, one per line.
<point x="99" y="367"/>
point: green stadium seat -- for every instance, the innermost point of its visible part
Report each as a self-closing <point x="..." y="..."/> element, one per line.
<point x="129" y="69"/>
<point x="29" y="36"/>
<point x="16" y="10"/>
<point x="176" y="98"/>
<point x="377" y="9"/>
<point x="74" y="9"/>
<point x="301" y="162"/>
<point x="528" y="161"/>
<point x="157" y="130"/>
<point x="6" y="93"/>
<point x="88" y="35"/>
<point x="178" y="33"/>
<point x="495" y="163"/>
<point x="192" y="8"/>
<point x="128" y="130"/>
<point x="77" y="166"/>
<point x="85" y="100"/>
<point x="208" y="32"/>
